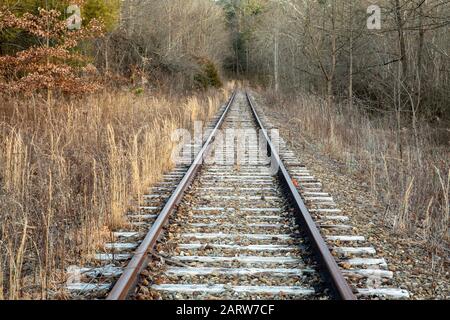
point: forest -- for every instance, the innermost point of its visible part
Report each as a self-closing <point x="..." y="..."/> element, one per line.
<point x="89" y="99"/>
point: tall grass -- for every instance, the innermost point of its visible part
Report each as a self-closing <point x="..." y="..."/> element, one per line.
<point x="410" y="177"/>
<point x="70" y="170"/>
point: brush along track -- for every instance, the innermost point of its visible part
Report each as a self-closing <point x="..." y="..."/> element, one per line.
<point x="234" y="235"/>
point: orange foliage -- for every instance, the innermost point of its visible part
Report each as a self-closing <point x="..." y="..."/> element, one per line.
<point x="54" y="64"/>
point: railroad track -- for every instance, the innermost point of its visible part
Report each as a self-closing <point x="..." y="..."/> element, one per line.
<point x="245" y="228"/>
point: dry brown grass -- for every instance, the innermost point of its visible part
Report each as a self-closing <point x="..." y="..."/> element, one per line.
<point x="411" y="178"/>
<point x="70" y="170"/>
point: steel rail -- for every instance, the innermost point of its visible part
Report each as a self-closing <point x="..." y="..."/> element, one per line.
<point x="129" y="278"/>
<point x="330" y="268"/>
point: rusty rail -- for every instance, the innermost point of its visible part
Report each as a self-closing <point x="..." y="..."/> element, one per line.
<point x="130" y="276"/>
<point x="329" y="266"/>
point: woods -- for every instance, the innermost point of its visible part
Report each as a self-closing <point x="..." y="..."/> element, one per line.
<point x="147" y="42"/>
